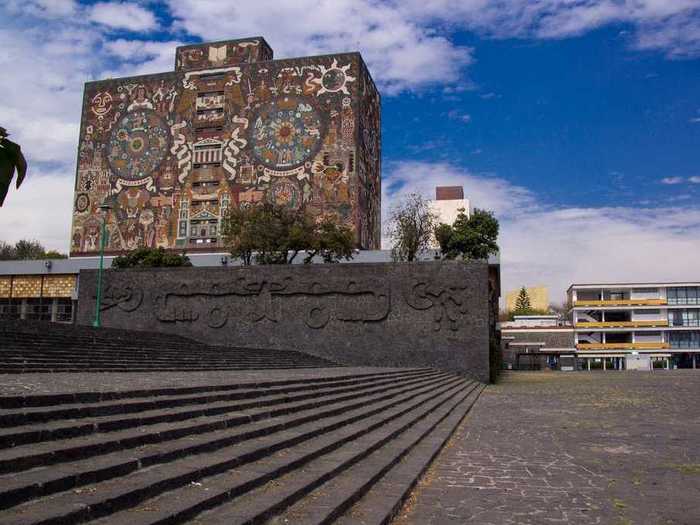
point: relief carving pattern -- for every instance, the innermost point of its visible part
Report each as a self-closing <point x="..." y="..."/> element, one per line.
<point x="448" y="303"/>
<point x="255" y="300"/>
<point x="250" y="299"/>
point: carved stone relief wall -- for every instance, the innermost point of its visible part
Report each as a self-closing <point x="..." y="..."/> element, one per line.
<point x="423" y="314"/>
<point x="171" y="153"/>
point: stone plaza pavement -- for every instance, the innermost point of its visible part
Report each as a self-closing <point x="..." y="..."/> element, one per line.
<point x="610" y="448"/>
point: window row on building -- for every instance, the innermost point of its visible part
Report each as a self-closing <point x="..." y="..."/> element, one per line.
<point x="683" y="295"/>
<point x="57" y="309"/>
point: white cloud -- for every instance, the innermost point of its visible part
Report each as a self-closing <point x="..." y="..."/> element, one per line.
<point x="40" y="209"/>
<point x="694" y="180"/>
<point x="42" y="97"/>
<point x="123" y="15"/>
<point x="672" y="180"/>
<point x="458" y="115"/>
<point x="695" y="120"/>
<point x="558" y="246"/>
<point x="670" y="26"/>
<point x="42" y="8"/>
<point x="401" y="53"/>
<point x="138" y="57"/>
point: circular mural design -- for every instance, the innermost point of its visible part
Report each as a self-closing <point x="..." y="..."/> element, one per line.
<point x="138" y="145"/>
<point x="286" y="133"/>
<point x="82" y="202"/>
<point x="333" y="79"/>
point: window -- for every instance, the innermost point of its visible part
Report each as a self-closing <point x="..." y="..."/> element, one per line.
<point x="672" y="296"/>
<point x="38" y="309"/>
<point x="10" y="309"/>
<point x="64" y="310"/>
<point x="684" y="318"/>
<point x="684" y="339"/>
<point x="683" y="295"/>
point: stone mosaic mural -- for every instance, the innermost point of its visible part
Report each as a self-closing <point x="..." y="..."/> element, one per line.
<point x="171" y="153"/>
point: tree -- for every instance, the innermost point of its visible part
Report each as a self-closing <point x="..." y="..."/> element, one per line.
<point x="150" y="258"/>
<point x="7" y="251"/>
<point x="472" y="237"/>
<point x="27" y="249"/>
<point x="11" y="160"/>
<point x="267" y="233"/>
<point x="522" y="303"/>
<point x="411" y="227"/>
<point x="331" y="242"/>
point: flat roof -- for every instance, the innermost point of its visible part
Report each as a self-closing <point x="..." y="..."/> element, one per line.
<point x="75" y="264"/>
<point x="634" y="285"/>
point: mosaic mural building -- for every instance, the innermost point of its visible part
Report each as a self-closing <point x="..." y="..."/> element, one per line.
<point x="170" y="153"/>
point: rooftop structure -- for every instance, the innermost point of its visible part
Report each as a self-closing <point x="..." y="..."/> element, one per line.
<point x="170" y="153"/>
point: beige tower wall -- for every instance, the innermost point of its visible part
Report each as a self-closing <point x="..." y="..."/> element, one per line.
<point x="539" y="298"/>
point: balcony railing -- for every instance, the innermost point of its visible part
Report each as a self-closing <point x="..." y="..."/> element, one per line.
<point x="621" y="324"/>
<point x="621" y="302"/>
<point x="622" y="346"/>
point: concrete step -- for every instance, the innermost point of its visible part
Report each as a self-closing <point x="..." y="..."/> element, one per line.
<point x="62" y="398"/>
<point x="90" y="360"/>
<point x="159" y="468"/>
<point x="23" y="457"/>
<point x="373" y="493"/>
<point x="131" y="369"/>
<point x="19" y="427"/>
<point x="326" y="487"/>
<point x="100" y="460"/>
<point x="255" y="493"/>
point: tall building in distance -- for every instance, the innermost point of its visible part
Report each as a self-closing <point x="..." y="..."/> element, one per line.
<point x="637" y="325"/>
<point x="449" y="200"/>
<point x="170" y="153"/>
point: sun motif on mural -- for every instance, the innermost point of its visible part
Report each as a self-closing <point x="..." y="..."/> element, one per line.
<point x="286" y="133"/>
<point x="138" y="145"/>
<point x="335" y="78"/>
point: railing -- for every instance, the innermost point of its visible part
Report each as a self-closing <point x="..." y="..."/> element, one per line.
<point x="621" y="302"/>
<point x="621" y="324"/>
<point x="621" y="346"/>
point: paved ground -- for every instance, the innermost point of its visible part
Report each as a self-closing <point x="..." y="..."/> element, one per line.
<point x="610" y="448"/>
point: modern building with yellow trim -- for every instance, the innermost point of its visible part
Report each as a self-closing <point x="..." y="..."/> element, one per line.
<point x="637" y="325"/>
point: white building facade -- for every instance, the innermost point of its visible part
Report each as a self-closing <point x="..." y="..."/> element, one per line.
<point x="637" y="325"/>
<point x="449" y="202"/>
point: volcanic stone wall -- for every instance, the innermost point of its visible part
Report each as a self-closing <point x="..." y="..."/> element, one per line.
<point x="407" y="314"/>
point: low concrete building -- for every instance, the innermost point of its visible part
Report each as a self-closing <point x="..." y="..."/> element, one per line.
<point x="537" y="342"/>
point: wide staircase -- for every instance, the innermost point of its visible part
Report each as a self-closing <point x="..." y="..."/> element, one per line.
<point x="27" y="347"/>
<point x="328" y="446"/>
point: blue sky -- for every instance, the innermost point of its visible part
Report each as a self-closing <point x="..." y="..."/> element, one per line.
<point x="583" y="120"/>
<point x="577" y="122"/>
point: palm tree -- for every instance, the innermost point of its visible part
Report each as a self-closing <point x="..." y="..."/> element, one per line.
<point x="11" y="159"/>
